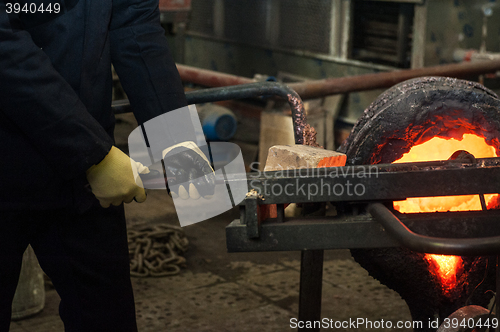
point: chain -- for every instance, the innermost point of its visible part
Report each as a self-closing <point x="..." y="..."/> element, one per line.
<point x="154" y="250"/>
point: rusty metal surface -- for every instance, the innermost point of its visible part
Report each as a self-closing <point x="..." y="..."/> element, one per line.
<point x="310" y="136"/>
<point x="332" y="86"/>
<point x="415" y="104"/>
<point x="474" y="313"/>
<point x="314" y="89"/>
<point x="210" y="78"/>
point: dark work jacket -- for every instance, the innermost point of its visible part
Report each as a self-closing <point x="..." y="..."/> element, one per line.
<point x="55" y="93"/>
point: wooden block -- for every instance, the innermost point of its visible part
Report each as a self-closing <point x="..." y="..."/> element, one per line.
<point x="282" y="157"/>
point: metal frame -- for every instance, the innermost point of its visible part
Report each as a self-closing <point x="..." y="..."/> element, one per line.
<point x="363" y="231"/>
<point x="312" y="236"/>
<point x="382" y="229"/>
<point x="380" y="182"/>
<point x="388" y="183"/>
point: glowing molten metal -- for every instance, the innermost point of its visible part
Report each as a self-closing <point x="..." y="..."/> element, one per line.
<point x="446" y="267"/>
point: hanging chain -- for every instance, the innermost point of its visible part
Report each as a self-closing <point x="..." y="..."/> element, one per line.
<point x="154" y="250"/>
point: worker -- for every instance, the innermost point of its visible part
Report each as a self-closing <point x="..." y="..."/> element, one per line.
<point x="62" y="179"/>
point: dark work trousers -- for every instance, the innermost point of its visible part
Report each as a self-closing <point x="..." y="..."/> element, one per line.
<point x="85" y="255"/>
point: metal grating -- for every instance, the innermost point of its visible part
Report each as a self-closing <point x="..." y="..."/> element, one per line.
<point x="382" y="32"/>
<point x="305" y="25"/>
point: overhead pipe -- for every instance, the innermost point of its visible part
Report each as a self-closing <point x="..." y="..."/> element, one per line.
<point x="332" y="86"/>
<point x="210" y="78"/>
<point x="256" y="89"/>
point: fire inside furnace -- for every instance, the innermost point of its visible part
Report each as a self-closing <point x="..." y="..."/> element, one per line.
<point x="446" y="267"/>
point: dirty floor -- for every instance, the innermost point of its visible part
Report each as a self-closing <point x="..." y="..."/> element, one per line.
<point x="220" y="291"/>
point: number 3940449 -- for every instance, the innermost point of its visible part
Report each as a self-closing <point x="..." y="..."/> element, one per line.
<point x="32" y="8"/>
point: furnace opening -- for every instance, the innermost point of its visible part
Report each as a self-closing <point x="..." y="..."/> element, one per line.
<point x="447" y="268"/>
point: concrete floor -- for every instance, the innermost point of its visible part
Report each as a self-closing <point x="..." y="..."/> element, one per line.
<point x="219" y="291"/>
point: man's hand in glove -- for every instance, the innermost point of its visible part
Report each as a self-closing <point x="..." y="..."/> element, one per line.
<point x="194" y="177"/>
<point x="116" y="179"/>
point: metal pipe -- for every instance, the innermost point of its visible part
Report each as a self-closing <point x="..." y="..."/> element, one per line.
<point x="332" y="86"/>
<point x="428" y="244"/>
<point x="252" y="90"/>
<point x="210" y="78"/>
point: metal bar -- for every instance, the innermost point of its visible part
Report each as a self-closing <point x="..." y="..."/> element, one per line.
<point x="332" y="86"/>
<point x="218" y="18"/>
<point x="280" y="211"/>
<point x="419" y="36"/>
<point x="433" y="245"/>
<point x="370" y="182"/>
<point x="404" y="28"/>
<point x="252" y="215"/>
<point x="350" y="232"/>
<point x="311" y="279"/>
<point x="257" y="90"/>
<point x="210" y="78"/>
<point x="347" y="7"/>
<point x="260" y="89"/>
<point x="376" y="182"/>
<point x="309" y="234"/>
<point x="483" y="202"/>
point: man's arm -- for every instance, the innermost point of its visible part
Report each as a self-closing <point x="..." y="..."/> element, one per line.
<point x="39" y="102"/>
<point x="142" y="60"/>
<point x="141" y="57"/>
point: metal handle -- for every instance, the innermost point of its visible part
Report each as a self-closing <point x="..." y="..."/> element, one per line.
<point x="429" y="244"/>
<point x="242" y="91"/>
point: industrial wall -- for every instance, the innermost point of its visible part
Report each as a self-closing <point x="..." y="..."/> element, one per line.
<point x="335" y="38"/>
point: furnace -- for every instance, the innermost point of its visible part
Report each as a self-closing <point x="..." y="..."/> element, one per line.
<point x="428" y="119"/>
<point x="390" y="241"/>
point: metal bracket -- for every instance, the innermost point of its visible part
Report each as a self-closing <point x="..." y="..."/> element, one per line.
<point x="250" y="214"/>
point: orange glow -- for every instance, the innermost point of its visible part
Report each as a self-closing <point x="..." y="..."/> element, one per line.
<point x="441" y="149"/>
<point x="446" y="267"/>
